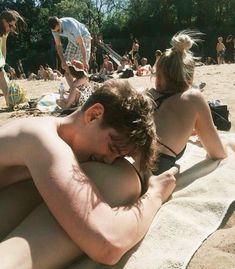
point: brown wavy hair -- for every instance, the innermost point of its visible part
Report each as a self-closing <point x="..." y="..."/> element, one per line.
<point x="130" y="113"/>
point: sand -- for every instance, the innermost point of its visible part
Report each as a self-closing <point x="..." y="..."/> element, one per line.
<point x="218" y="251"/>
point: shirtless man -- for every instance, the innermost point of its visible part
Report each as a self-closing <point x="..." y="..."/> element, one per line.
<point x="114" y="122"/>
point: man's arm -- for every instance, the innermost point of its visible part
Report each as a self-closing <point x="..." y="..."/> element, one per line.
<point x="81" y="44"/>
<point x="105" y="234"/>
<point x="60" y="52"/>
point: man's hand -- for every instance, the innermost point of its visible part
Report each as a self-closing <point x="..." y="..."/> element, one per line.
<point x="164" y="184"/>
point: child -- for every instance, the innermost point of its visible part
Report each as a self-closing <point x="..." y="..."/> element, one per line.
<point x="220" y="49"/>
<point x="80" y="89"/>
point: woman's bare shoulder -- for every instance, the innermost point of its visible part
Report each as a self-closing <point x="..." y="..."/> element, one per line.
<point x="192" y="95"/>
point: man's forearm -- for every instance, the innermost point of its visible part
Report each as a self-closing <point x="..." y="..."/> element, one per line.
<point x="60" y="53"/>
<point x="83" y="51"/>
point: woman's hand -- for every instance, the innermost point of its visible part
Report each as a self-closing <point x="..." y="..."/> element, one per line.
<point x="164" y="184"/>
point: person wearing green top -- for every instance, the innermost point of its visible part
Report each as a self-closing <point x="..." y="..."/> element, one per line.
<point x="8" y="21"/>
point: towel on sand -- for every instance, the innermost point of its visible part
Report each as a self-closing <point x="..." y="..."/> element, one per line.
<point x="47" y="103"/>
<point x="205" y="190"/>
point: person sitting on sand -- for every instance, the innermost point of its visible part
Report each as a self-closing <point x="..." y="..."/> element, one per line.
<point x="42" y="74"/>
<point x="180" y="108"/>
<point x="81" y="88"/>
<point x="107" y="67"/>
<point x="125" y="63"/>
<point x="144" y="69"/>
<point x="115" y="121"/>
<point x="50" y="74"/>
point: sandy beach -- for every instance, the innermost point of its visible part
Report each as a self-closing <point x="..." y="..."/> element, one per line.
<point x="220" y="85"/>
<point x="219" y="79"/>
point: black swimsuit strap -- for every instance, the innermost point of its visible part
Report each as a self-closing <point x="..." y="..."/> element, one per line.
<point x="167" y="148"/>
<point x="162" y="97"/>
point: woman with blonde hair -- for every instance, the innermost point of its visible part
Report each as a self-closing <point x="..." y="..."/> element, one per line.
<point x="180" y="108"/>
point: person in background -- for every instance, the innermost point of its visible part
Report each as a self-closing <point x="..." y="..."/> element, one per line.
<point x="134" y="53"/>
<point x="20" y="69"/>
<point x="107" y="68"/>
<point x="124" y="64"/>
<point x="144" y="69"/>
<point x="180" y="108"/>
<point x="81" y="88"/>
<point x="79" y="42"/>
<point x="93" y="65"/>
<point x="99" y="51"/>
<point x="157" y="54"/>
<point x="230" y="49"/>
<point x="8" y="23"/>
<point x="220" y="50"/>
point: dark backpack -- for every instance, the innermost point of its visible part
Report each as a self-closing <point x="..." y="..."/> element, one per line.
<point x="127" y="73"/>
<point x="220" y="115"/>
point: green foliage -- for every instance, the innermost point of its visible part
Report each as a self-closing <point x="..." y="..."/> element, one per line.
<point x="151" y="21"/>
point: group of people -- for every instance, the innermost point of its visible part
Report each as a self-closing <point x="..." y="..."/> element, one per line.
<point x="45" y="73"/>
<point x="100" y="203"/>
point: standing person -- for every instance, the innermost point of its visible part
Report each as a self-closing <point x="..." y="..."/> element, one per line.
<point x="8" y="22"/>
<point x="20" y="69"/>
<point x="100" y="51"/>
<point x="79" y="41"/>
<point x="180" y="108"/>
<point x="220" y="49"/>
<point x="114" y="122"/>
<point x="157" y="55"/>
<point x="229" y="49"/>
<point x="135" y="56"/>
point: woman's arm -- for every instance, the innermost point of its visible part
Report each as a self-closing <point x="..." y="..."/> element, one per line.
<point x="72" y="98"/>
<point x="206" y="129"/>
<point x="4" y="45"/>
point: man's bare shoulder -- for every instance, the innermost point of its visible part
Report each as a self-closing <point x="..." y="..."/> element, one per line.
<point x="29" y="125"/>
<point x="19" y="137"/>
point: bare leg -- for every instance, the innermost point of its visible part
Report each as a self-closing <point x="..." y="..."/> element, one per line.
<point x="3" y="84"/>
<point x="38" y="242"/>
<point x="16" y="202"/>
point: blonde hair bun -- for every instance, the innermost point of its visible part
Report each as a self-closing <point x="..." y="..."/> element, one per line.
<point x="181" y="42"/>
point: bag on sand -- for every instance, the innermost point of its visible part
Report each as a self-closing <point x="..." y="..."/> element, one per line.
<point x="15" y="95"/>
<point x="127" y="73"/>
<point x="220" y="115"/>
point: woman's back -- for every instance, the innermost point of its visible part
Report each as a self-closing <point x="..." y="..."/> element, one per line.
<point x="175" y="119"/>
<point x="181" y="110"/>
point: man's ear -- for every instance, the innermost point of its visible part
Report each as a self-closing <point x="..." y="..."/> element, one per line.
<point x="94" y="112"/>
